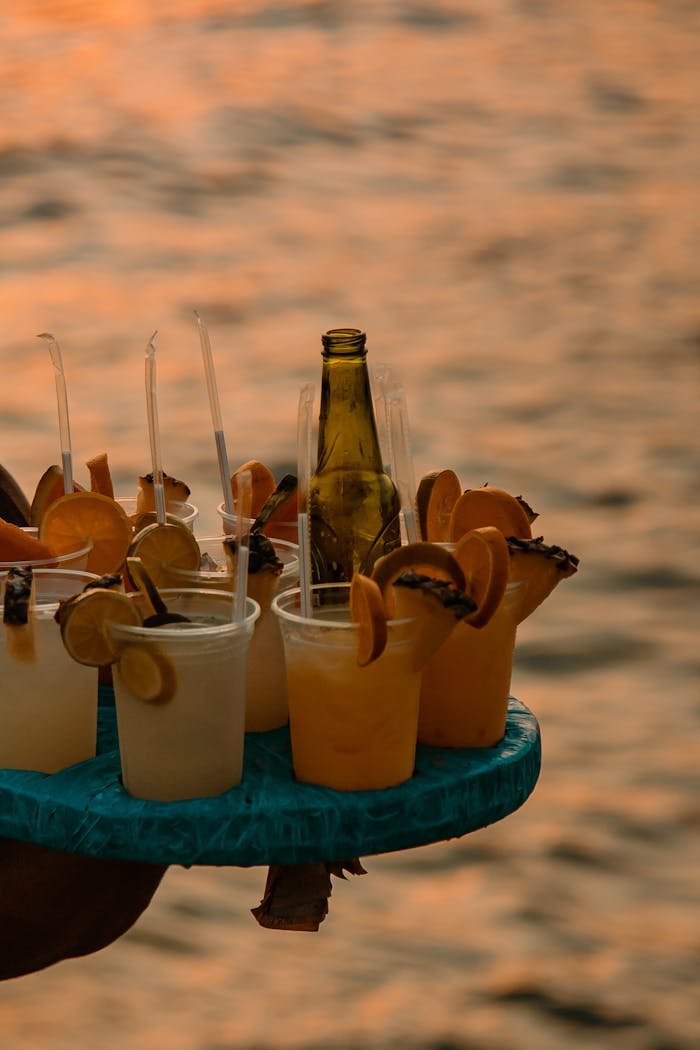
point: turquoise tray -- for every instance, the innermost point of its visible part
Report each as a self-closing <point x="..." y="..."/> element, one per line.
<point x="270" y="818"/>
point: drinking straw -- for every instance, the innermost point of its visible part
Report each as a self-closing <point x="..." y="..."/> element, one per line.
<point x="381" y="412"/>
<point x="215" y="414"/>
<point x="153" y="432"/>
<point x="245" y="501"/>
<point x="306" y="401"/>
<point x="63" y="420"/>
<point x="401" y="458"/>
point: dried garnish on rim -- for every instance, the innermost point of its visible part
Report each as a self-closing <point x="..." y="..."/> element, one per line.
<point x="19" y="629"/>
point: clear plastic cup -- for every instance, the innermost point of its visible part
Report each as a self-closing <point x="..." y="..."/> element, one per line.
<point x="283" y="530"/>
<point x="190" y="743"/>
<point x="76" y="559"/>
<point x="351" y="727"/>
<point x="466" y="684"/>
<point x="186" y="512"/>
<point x="48" y="702"/>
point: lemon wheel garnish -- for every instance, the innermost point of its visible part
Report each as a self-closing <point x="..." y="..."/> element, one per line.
<point x="484" y="558"/>
<point x="165" y="546"/>
<point x="71" y="520"/>
<point x="489" y="505"/>
<point x="147" y="673"/>
<point x="367" y="611"/>
<point x="85" y="622"/>
<point x="428" y="559"/>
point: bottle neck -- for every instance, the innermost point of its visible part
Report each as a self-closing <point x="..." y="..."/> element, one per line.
<point x="347" y="434"/>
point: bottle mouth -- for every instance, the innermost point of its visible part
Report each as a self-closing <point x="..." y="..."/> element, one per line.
<point x="344" y="341"/>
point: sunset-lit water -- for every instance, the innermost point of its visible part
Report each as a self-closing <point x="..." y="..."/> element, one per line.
<point x="504" y="194"/>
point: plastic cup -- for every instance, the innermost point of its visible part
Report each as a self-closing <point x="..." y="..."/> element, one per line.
<point x="191" y="744"/>
<point x="351" y="727"/>
<point x="186" y="512"/>
<point x="48" y="702"/>
<point x="283" y="530"/>
<point x="76" y="559"/>
<point x="266" y="706"/>
<point x="466" y="684"/>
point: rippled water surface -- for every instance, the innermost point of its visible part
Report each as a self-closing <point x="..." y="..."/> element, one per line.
<point x="504" y="194"/>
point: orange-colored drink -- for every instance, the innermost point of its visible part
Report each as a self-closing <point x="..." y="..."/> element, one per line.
<point x="351" y="727"/>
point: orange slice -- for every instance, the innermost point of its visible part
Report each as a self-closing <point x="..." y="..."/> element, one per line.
<point x="71" y="520"/>
<point x="100" y="476"/>
<point x="49" y="488"/>
<point x="437" y="494"/>
<point x="147" y="673"/>
<point x="85" y="622"/>
<point x="367" y="611"/>
<point x="483" y="556"/>
<point x="169" y="545"/>
<point x="542" y="567"/>
<point x="19" y="547"/>
<point x="262" y="482"/>
<point x="427" y="559"/>
<point x="174" y="491"/>
<point x="489" y="506"/>
<point x="435" y="606"/>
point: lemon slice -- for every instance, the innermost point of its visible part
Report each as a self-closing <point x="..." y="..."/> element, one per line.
<point x="429" y="559"/>
<point x="85" y="622"/>
<point x="484" y="557"/>
<point x="436" y="606"/>
<point x="168" y="545"/>
<point x="436" y="496"/>
<point x="147" y="673"/>
<point x="490" y="506"/>
<point x="367" y="611"/>
<point x="71" y="520"/>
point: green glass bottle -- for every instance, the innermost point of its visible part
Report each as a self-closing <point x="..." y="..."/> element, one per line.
<point x="353" y="504"/>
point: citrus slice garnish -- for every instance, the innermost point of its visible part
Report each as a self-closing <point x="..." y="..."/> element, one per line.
<point x="148" y="517"/>
<point x="541" y="566"/>
<point x="367" y="611"/>
<point x="100" y="476"/>
<point x="50" y="487"/>
<point x="428" y="559"/>
<point x="71" y="520"/>
<point x="489" y="506"/>
<point x="147" y="673"/>
<point x="18" y="547"/>
<point x="85" y="622"/>
<point x="484" y="557"/>
<point x="262" y="482"/>
<point x="172" y="545"/>
<point x="14" y="505"/>
<point x="19" y="633"/>
<point x="435" y="605"/>
<point x="437" y="494"/>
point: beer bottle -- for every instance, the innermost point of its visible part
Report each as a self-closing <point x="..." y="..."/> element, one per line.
<point x="353" y="503"/>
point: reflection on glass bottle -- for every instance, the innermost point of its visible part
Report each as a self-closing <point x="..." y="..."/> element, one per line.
<point x="353" y="503"/>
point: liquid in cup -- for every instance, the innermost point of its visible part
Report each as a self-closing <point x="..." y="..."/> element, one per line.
<point x="48" y="705"/>
<point x="351" y="727"/>
<point x="465" y="687"/>
<point x="189" y="744"/>
<point x="266" y="706"/>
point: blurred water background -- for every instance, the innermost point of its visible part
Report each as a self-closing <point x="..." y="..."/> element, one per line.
<point x="504" y="194"/>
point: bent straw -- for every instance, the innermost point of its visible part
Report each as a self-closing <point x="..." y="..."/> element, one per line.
<point x="245" y="502"/>
<point x="63" y="420"/>
<point x="401" y="458"/>
<point x="306" y="401"/>
<point x="153" y="432"/>
<point x="215" y="414"/>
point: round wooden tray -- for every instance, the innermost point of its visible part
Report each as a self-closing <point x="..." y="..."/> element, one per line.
<point x="270" y="818"/>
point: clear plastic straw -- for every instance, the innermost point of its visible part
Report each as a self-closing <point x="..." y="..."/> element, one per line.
<point x="245" y="503"/>
<point x="63" y="420"/>
<point x="304" y="422"/>
<point x="153" y="431"/>
<point x="219" y="438"/>
<point x="381" y="413"/>
<point x="401" y="458"/>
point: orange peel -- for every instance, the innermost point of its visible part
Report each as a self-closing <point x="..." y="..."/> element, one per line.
<point x="367" y="612"/>
<point x="437" y="494"/>
<point x="490" y="505"/>
<point x="100" y="476"/>
<point x="262" y="482"/>
<point x="427" y="559"/>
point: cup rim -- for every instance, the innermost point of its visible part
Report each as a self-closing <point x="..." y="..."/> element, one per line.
<point x="199" y="630"/>
<point x="312" y="621"/>
<point x="55" y="562"/>
<point x="85" y="578"/>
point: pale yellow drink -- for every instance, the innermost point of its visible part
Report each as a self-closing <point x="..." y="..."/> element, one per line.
<point x="266" y="703"/>
<point x="465" y="687"/>
<point x="48" y="702"/>
<point x="351" y="727"/>
<point x="190" y="744"/>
